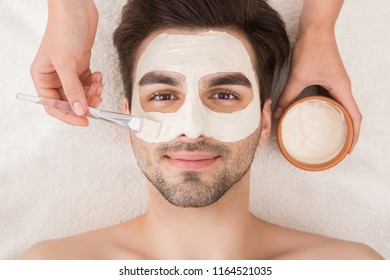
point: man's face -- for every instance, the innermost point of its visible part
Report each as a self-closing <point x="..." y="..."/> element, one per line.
<point x="197" y="84"/>
<point x="206" y="96"/>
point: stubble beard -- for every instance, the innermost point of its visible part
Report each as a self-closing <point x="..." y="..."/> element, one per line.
<point x="194" y="191"/>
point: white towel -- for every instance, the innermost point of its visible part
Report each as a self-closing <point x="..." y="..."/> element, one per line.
<point x="57" y="180"/>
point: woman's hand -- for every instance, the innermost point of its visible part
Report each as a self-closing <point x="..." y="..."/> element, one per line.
<point x="60" y="69"/>
<point x="316" y="61"/>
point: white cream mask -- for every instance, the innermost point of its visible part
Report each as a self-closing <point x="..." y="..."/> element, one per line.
<point x="196" y="56"/>
<point x="314" y="131"/>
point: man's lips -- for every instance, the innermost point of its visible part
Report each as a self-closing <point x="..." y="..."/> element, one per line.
<point x="191" y="160"/>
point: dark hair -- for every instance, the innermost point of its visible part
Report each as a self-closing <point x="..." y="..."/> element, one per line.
<point x="255" y="19"/>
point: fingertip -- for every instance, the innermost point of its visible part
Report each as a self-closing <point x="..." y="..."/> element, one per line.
<point x="96" y="77"/>
<point x="78" y="102"/>
<point x="75" y="120"/>
<point x="99" y="91"/>
<point x="78" y="108"/>
<point x="278" y="112"/>
<point x="99" y="77"/>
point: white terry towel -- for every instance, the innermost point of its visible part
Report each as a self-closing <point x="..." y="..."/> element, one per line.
<point x="57" y="180"/>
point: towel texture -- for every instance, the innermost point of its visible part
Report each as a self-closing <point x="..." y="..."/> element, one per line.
<point x="57" y="180"/>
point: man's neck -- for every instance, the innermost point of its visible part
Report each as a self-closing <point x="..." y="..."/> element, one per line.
<point x="217" y="231"/>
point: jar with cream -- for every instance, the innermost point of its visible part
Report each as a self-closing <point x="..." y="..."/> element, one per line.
<point x="315" y="133"/>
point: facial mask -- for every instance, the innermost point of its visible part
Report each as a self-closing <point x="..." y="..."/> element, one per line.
<point x="196" y="56"/>
<point x="314" y="131"/>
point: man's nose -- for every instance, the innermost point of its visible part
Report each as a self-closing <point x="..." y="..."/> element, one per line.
<point x="195" y="121"/>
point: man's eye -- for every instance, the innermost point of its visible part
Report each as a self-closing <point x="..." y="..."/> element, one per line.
<point x="161" y="96"/>
<point x="224" y="96"/>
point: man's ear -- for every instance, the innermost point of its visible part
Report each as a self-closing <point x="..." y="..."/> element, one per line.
<point x="126" y="109"/>
<point x="126" y="106"/>
<point x="266" y="123"/>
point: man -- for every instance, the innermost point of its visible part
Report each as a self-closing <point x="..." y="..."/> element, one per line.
<point x="204" y="69"/>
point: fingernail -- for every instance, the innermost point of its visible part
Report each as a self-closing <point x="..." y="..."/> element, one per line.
<point x="278" y="112"/>
<point x="78" y="108"/>
<point x="99" y="91"/>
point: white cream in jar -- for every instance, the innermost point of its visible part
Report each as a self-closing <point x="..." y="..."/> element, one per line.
<point x="313" y="131"/>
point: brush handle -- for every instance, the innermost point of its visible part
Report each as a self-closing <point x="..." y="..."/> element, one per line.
<point x="123" y="120"/>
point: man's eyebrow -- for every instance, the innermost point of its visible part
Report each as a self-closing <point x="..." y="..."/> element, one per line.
<point x="156" y="78"/>
<point x="228" y="79"/>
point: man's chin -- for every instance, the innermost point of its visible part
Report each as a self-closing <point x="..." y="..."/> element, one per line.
<point x="192" y="192"/>
<point x="191" y="203"/>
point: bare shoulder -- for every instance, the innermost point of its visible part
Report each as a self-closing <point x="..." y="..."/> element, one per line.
<point x="333" y="249"/>
<point x="120" y="241"/>
<point x="45" y="250"/>
<point x="96" y="244"/>
<point x="299" y="245"/>
<point x="73" y="247"/>
<point x="346" y="250"/>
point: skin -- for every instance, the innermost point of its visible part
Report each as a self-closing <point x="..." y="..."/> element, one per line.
<point x="222" y="229"/>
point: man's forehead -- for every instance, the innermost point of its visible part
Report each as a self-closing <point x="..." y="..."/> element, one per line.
<point x="185" y="31"/>
<point x="207" y="53"/>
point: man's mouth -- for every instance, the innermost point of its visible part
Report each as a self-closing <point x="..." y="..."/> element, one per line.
<point x="191" y="160"/>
